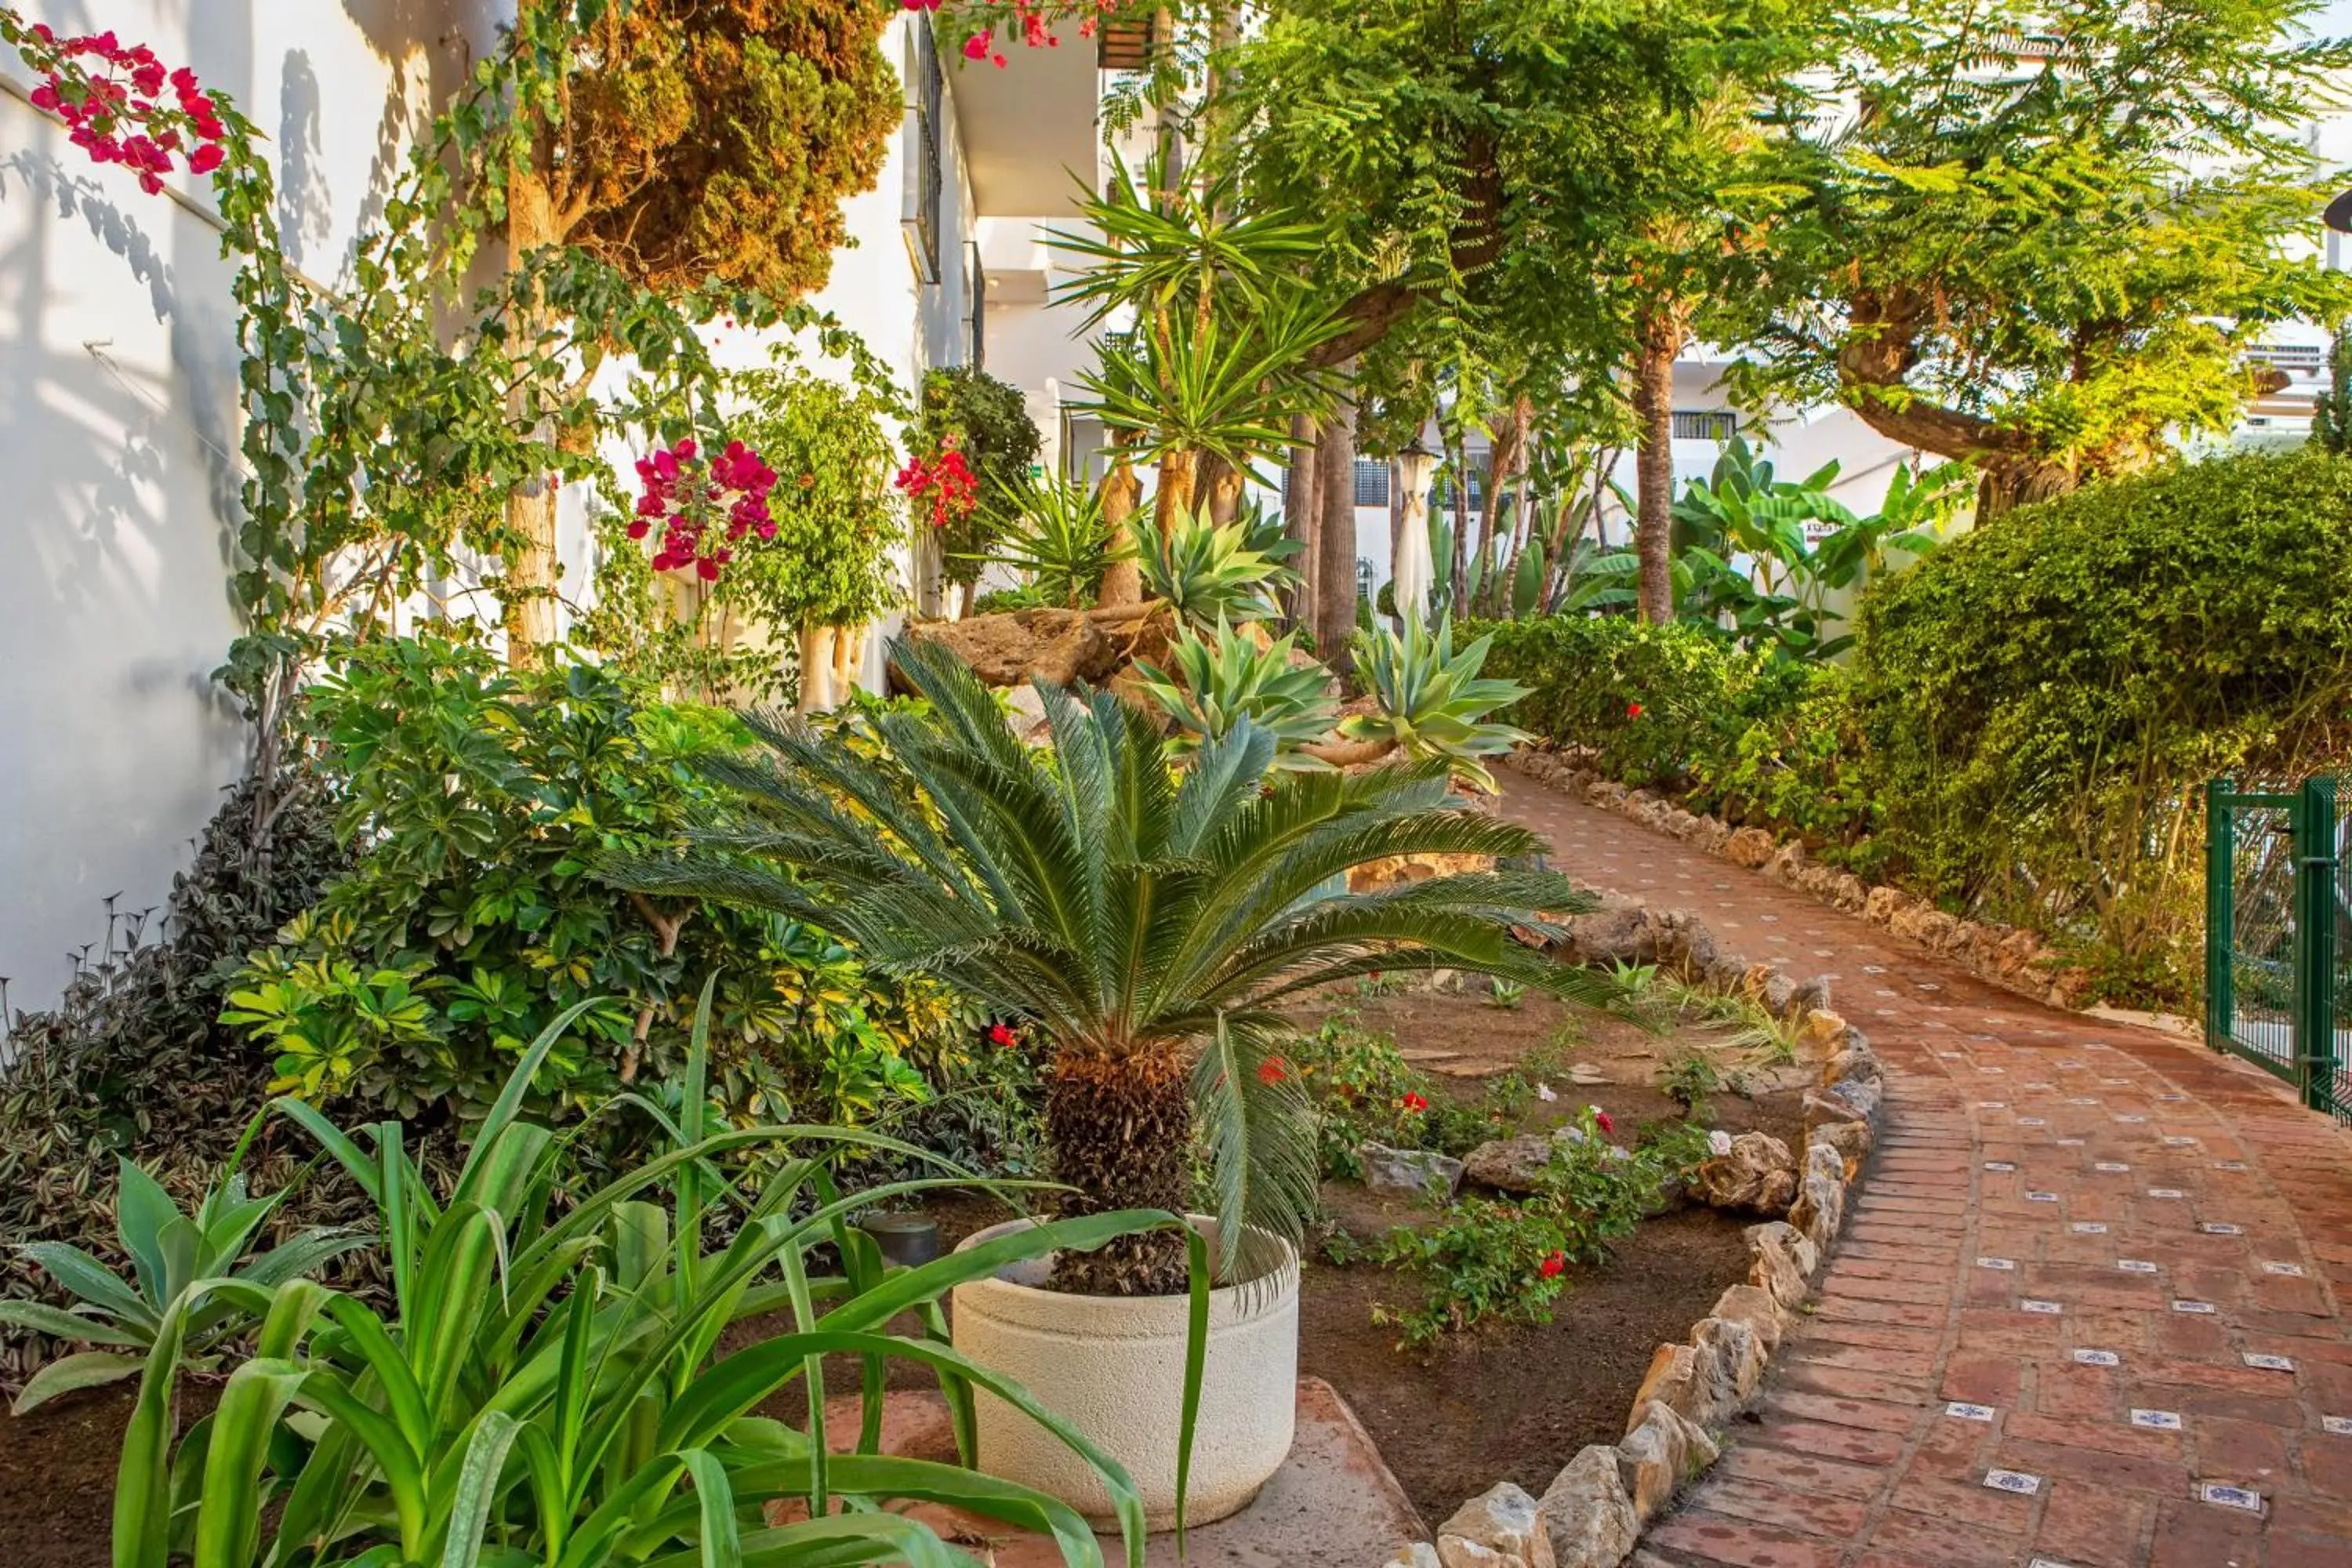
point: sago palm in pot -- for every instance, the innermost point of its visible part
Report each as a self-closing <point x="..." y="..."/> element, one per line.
<point x="1145" y="925"/>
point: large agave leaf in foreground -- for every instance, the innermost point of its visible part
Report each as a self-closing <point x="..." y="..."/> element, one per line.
<point x="1121" y="911"/>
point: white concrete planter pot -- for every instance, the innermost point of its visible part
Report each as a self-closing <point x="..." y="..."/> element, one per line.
<point x="1113" y="1367"/>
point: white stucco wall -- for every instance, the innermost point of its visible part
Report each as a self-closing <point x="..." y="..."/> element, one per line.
<point x="116" y="388"/>
<point x="117" y="418"/>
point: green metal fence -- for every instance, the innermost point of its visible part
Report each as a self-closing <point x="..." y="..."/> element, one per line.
<point x="2278" y="935"/>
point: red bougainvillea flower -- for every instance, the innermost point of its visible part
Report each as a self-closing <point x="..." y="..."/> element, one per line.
<point x="1001" y="1035"/>
<point x="1274" y="1069"/>
<point x="944" y="480"/>
<point x="1416" y="1102"/>
<point x="1632" y="711"/>
<point x="109" y="95"/>
<point x="705" y="505"/>
<point x="976" y="46"/>
<point x="1601" y="1119"/>
<point x="1552" y="1265"/>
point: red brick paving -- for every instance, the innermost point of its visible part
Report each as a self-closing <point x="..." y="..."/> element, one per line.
<point x="2066" y="1148"/>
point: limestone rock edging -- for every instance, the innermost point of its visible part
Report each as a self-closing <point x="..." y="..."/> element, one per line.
<point x="2009" y="956"/>
<point x="1593" y="1514"/>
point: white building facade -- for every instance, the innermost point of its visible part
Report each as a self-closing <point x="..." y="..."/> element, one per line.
<point x="118" y="382"/>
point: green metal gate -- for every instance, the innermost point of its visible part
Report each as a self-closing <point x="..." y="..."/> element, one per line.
<point x="2278" y="976"/>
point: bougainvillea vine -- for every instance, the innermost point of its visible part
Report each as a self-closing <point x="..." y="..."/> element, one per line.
<point x="110" y="96"/>
<point x="705" y="505"/>
<point x="944" y="480"/>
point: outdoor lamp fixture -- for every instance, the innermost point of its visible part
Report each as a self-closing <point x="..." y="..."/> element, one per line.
<point x="1412" y="573"/>
<point x="2338" y="216"/>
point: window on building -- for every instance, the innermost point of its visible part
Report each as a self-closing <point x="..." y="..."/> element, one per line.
<point x="1441" y="495"/>
<point x="931" y="183"/>
<point x="1705" y="424"/>
<point x="1363" y="577"/>
<point x="975" y="283"/>
<point x="1371" y="482"/>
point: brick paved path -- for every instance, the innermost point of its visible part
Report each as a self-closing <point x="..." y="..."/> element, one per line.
<point x="2076" y="1239"/>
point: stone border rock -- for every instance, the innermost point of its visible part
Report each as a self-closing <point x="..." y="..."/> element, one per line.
<point x="1593" y="1514"/>
<point x="2009" y="956"/>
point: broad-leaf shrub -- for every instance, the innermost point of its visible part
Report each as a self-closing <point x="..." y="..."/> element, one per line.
<point x="133" y="1060"/>
<point x="2041" y="700"/>
<point x="477" y="798"/>
<point x="2031" y="711"/>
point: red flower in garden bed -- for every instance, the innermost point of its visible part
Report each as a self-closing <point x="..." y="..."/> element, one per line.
<point x="1272" y="1070"/>
<point x="1415" y="1102"/>
<point x="1632" y="711"/>
<point x="1553" y="1264"/>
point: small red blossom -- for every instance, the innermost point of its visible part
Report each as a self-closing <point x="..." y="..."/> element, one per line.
<point x="1632" y="711"/>
<point x="1272" y="1070"/>
<point x="976" y="46"/>
<point x="1553" y="1264"/>
<point x="1001" y="1035"/>
<point x="1601" y="1120"/>
<point x="1416" y="1102"/>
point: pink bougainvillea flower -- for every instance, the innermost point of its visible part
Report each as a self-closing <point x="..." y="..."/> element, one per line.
<point x="976" y="46"/>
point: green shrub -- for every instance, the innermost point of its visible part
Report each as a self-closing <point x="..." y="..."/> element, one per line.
<point x="2041" y="700"/>
<point x="1508" y="1258"/>
<point x="477" y="797"/>
<point x="1679" y="707"/>
<point x="134" y="1063"/>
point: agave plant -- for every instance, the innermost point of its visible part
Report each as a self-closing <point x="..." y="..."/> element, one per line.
<point x="1431" y="700"/>
<point x="1231" y="679"/>
<point x="1059" y="539"/>
<point x="169" y="1251"/>
<point x="1210" y="572"/>
<point x="1147" y="930"/>
<point x="547" y="1387"/>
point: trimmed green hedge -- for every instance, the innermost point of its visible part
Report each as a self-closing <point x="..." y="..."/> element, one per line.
<point x="2031" y="711"/>
<point x="1751" y="737"/>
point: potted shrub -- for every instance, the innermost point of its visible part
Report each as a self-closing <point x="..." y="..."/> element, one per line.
<point x="1141" y="930"/>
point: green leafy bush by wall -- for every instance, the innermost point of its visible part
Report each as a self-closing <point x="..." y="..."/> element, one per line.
<point x="988" y="419"/>
<point x="133" y="1060"/>
<point x="2041" y="700"/>
<point x="479" y="800"/>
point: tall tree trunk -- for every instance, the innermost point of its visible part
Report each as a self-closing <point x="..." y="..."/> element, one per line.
<point x="1173" y="501"/>
<point x="816" y="669"/>
<point x="531" y="563"/>
<point x="1217" y="488"/>
<point x="1122" y="492"/>
<point x="1302" y="521"/>
<point x="1121" y="1129"/>
<point x="1654" y="413"/>
<point x="1502" y="481"/>
<point x="1460" y="564"/>
<point x="1334" y="563"/>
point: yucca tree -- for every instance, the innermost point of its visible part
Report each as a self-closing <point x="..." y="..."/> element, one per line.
<point x="1146" y="928"/>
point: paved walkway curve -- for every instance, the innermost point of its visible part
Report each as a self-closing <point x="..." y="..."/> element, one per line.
<point x="2080" y="1246"/>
